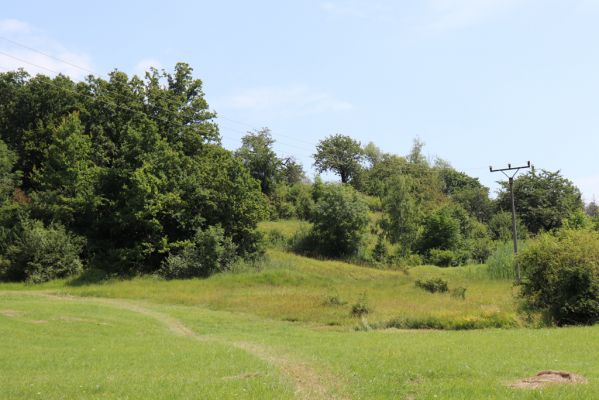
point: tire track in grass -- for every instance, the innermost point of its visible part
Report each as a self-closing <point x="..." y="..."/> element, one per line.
<point x="308" y="382"/>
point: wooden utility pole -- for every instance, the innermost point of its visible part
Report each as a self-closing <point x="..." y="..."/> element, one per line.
<point x="511" y="184"/>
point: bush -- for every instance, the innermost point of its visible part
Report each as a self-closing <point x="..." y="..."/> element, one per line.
<point x="447" y="258"/>
<point x="410" y="260"/>
<point x="561" y="276"/>
<point x="441" y="230"/>
<point x="340" y="220"/>
<point x="380" y="254"/>
<point x="210" y="251"/>
<point x="435" y="285"/>
<point x="480" y="249"/>
<point x="39" y="254"/>
<point x="275" y="238"/>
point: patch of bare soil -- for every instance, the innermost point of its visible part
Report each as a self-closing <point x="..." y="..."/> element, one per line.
<point x="545" y="378"/>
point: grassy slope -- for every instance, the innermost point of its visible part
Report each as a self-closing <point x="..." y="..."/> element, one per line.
<point x="295" y="288"/>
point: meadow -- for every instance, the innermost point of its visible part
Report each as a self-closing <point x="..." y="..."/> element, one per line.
<point x="283" y="330"/>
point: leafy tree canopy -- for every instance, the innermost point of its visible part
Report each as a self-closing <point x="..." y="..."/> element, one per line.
<point x="340" y="154"/>
<point x="543" y="199"/>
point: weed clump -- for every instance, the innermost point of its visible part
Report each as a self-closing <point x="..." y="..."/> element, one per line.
<point x="435" y="285"/>
<point x="361" y="308"/>
<point x="458" y="293"/>
<point x="334" y="300"/>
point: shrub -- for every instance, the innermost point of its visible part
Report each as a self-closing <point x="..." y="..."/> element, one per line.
<point x="275" y="238"/>
<point x="410" y="260"/>
<point x="447" y="258"/>
<point x="304" y="205"/>
<point x="480" y="249"/>
<point x="380" y="253"/>
<point x="210" y="251"/>
<point x="441" y="230"/>
<point x="435" y="285"/>
<point x="561" y="276"/>
<point x="340" y="220"/>
<point x="38" y="253"/>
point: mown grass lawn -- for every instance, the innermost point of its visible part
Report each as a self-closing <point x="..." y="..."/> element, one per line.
<point x="83" y="348"/>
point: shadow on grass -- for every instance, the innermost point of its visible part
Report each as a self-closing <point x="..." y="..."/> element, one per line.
<point x="94" y="277"/>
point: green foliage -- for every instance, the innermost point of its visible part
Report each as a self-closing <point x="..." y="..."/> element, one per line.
<point x="500" y="227"/>
<point x="340" y="219"/>
<point x="482" y="321"/>
<point x="39" y="254"/>
<point x="303" y="201"/>
<point x="458" y="293"/>
<point x="208" y="252"/>
<point x="447" y="258"/>
<point x="361" y="308"/>
<point x="292" y="172"/>
<point x="380" y="253"/>
<point x="480" y="249"/>
<point x="340" y="154"/>
<point x="291" y="201"/>
<point x="8" y="178"/>
<point x="260" y="159"/>
<point x="132" y="165"/>
<point x="467" y="192"/>
<point x="400" y="222"/>
<point x="434" y="285"/>
<point x="501" y="262"/>
<point x="66" y="181"/>
<point x="441" y="230"/>
<point x="561" y="276"/>
<point x="543" y="200"/>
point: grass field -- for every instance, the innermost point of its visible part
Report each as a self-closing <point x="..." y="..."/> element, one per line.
<point x="294" y="288"/>
<point x="284" y="331"/>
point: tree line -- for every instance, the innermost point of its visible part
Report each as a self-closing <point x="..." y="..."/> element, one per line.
<point x="128" y="175"/>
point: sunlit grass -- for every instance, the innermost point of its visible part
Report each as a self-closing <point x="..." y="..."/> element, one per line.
<point x="295" y="288"/>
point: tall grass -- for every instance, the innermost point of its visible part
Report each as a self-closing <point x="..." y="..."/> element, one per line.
<point x="501" y="264"/>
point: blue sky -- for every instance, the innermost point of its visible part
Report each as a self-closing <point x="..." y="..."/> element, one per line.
<point x="481" y="82"/>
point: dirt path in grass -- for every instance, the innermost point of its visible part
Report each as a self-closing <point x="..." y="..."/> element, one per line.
<point x="307" y="381"/>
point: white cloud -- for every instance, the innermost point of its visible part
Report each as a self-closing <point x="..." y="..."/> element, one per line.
<point x="24" y="46"/>
<point x="455" y="14"/>
<point x="285" y="101"/>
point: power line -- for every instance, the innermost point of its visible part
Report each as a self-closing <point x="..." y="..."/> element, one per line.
<point x="48" y="55"/>
<point x="168" y="101"/>
<point x="97" y="74"/>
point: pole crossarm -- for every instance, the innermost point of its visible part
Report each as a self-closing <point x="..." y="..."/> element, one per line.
<point x="510" y="168"/>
